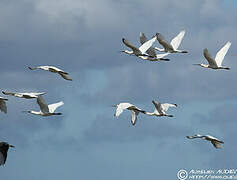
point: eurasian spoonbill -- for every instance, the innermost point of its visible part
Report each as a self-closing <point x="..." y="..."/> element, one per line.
<point x="24" y="95"/>
<point x="173" y="46"/>
<point x="215" y="142"/>
<point x="217" y="62"/>
<point x="134" y="111"/>
<point x="54" y="70"/>
<point x="160" y="109"/>
<point x="151" y="51"/>
<point x="45" y="109"/>
<point x="141" y="51"/>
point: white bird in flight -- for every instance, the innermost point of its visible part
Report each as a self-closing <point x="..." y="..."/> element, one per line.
<point x="217" y="62"/>
<point x="45" y="109"/>
<point x="215" y="142"/>
<point x="141" y="51"/>
<point x="3" y="106"/>
<point x="160" y="109"/>
<point x="54" y="70"/>
<point x="151" y="51"/>
<point x="24" y="95"/>
<point x="134" y="111"/>
<point x="4" y="146"/>
<point x="173" y="46"/>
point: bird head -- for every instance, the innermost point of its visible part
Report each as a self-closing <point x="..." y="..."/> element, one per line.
<point x="197" y="135"/>
<point x="11" y="146"/>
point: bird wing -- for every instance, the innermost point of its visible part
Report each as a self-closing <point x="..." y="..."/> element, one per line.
<point x="143" y="38"/>
<point x="144" y="47"/>
<point x="216" y="144"/>
<point x="175" y="42"/>
<point x="121" y="107"/>
<point x="8" y="93"/>
<point x="38" y="94"/>
<point x="3" y="106"/>
<point x="65" y="76"/>
<point x="128" y="44"/>
<point x="55" y="69"/>
<point x="151" y="51"/>
<point x="2" y="159"/>
<point x="221" y="53"/>
<point x="3" y="153"/>
<point x="42" y="104"/>
<point x="157" y="106"/>
<point x="134" y="114"/>
<point x="163" y="42"/>
<point x="53" y="107"/>
<point x="166" y="106"/>
<point x="208" y="57"/>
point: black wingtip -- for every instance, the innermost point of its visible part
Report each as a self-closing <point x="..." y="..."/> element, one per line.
<point x="164" y="59"/>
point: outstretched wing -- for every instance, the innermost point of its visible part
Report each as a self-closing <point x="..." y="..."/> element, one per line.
<point x="208" y="57"/>
<point x="221" y="53"/>
<point x="8" y="93"/>
<point x="166" y="106"/>
<point x="3" y="153"/>
<point x="3" y="106"/>
<point x="167" y="46"/>
<point x="216" y="144"/>
<point x="128" y="44"/>
<point x="143" y="38"/>
<point x="121" y="107"/>
<point x="65" y="76"/>
<point x="157" y="106"/>
<point x="43" y="106"/>
<point x="134" y="114"/>
<point x="175" y="42"/>
<point x="53" y="107"/>
<point x="144" y="47"/>
<point x="151" y="51"/>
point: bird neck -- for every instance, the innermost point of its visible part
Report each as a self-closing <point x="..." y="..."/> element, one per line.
<point x="150" y="113"/>
<point x="36" y="112"/>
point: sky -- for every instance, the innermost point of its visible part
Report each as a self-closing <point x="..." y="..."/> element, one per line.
<point x="83" y="38"/>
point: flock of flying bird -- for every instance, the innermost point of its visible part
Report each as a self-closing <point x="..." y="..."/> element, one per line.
<point x="45" y="109"/>
<point x="146" y="52"/>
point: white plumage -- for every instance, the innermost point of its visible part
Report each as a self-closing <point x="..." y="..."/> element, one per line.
<point x="54" y="70"/>
<point x="24" y="95"/>
<point x="173" y="46"/>
<point x="151" y="51"/>
<point x="217" y="62"/>
<point x="160" y="109"/>
<point x="141" y="51"/>
<point x="45" y="109"/>
<point x="215" y="142"/>
<point x="134" y="111"/>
